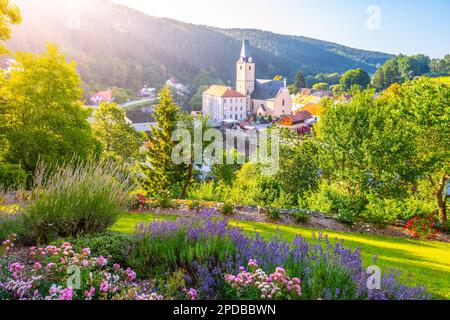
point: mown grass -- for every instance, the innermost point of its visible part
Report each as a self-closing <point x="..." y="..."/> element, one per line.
<point x="428" y="262"/>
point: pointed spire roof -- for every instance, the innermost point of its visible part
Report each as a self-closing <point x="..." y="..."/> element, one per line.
<point x="246" y="52"/>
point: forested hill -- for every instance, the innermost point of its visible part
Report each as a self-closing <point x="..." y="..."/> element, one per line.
<point x="117" y="46"/>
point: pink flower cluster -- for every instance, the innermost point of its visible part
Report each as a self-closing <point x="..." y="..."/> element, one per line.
<point x="191" y="294"/>
<point x="43" y="275"/>
<point x="8" y="244"/>
<point x="276" y="286"/>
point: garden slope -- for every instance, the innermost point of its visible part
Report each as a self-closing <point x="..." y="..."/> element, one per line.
<point x="428" y="262"/>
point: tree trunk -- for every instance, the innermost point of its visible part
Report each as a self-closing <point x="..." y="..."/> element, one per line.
<point x="187" y="182"/>
<point x="441" y="199"/>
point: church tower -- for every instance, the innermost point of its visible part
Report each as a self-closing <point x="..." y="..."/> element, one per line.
<point x="245" y="80"/>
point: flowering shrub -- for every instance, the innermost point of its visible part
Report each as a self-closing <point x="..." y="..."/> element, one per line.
<point x="59" y="273"/>
<point x="190" y="294"/>
<point x="8" y="244"/>
<point x="422" y="227"/>
<point x="208" y="249"/>
<point x="140" y="203"/>
<point x="257" y="285"/>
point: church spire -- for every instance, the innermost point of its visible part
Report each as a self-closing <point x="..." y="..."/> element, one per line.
<point x="245" y="51"/>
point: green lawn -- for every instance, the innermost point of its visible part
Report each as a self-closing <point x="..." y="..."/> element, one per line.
<point x="428" y="262"/>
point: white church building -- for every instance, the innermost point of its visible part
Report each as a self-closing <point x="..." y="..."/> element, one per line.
<point x="251" y="96"/>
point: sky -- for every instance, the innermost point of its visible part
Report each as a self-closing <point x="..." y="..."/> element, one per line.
<point x="392" y="26"/>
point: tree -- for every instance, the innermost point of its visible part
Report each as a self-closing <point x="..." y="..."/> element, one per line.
<point x="46" y="121"/>
<point x="424" y="106"/>
<point x="321" y="86"/>
<point x="401" y="69"/>
<point x="162" y="175"/>
<point x="118" y="138"/>
<point x="367" y="148"/>
<point x="9" y="15"/>
<point x="357" y="77"/>
<point x="197" y="99"/>
<point x="300" y="80"/>
<point x="441" y="66"/>
<point x="299" y="170"/>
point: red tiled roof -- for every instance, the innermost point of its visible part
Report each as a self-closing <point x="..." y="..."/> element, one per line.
<point x="223" y="92"/>
<point x="299" y="117"/>
<point x="106" y="95"/>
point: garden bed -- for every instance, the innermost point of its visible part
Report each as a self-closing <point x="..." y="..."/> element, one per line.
<point x="315" y="220"/>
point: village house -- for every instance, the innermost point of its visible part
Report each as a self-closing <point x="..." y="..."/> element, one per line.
<point x="147" y="93"/>
<point x="261" y="97"/>
<point x="300" y="122"/>
<point x="178" y="87"/>
<point x="224" y="103"/>
<point x="102" y="96"/>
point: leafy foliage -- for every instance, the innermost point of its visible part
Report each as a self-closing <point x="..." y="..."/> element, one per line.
<point x="41" y="101"/>
<point x="9" y="15"/>
<point x="12" y="176"/>
<point x="76" y="199"/>
<point x="357" y="77"/>
<point x="162" y="173"/>
<point x="118" y="138"/>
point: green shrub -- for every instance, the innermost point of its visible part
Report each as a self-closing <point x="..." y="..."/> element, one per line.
<point x="195" y="205"/>
<point x="335" y="200"/>
<point x="159" y="255"/>
<point x="227" y="209"/>
<point x="76" y="199"/>
<point x="209" y="191"/>
<point x="165" y="202"/>
<point x="10" y="224"/>
<point x="301" y="216"/>
<point x="12" y="176"/>
<point x="109" y="244"/>
<point x="272" y="213"/>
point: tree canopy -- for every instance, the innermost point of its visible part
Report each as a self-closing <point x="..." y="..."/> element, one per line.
<point x="357" y="77"/>
<point x="9" y="15"/>
<point x="40" y="101"/>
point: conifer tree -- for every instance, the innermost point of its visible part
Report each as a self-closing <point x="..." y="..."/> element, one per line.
<point x="161" y="173"/>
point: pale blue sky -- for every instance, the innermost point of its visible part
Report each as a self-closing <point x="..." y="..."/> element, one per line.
<point x="406" y="26"/>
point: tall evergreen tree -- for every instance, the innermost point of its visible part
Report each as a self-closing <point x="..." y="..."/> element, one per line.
<point x="161" y="173"/>
<point x="300" y="81"/>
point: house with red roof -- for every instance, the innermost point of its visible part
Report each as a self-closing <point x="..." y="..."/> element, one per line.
<point x="224" y="103"/>
<point x="102" y="96"/>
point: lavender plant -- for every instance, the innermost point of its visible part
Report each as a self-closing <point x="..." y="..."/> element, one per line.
<point x="76" y="199"/>
<point x="208" y="248"/>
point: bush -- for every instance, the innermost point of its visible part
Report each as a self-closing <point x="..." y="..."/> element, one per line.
<point x="10" y="224"/>
<point x="422" y="227"/>
<point x="301" y="216"/>
<point x="194" y="205"/>
<point x="12" y="176"/>
<point x="76" y="199"/>
<point x="334" y="200"/>
<point x="227" y="209"/>
<point x="165" y="202"/>
<point x="109" y="244"/>
<point x="209" y="191"/>
<point x="165" y="247"/>
<point x="272" y="213"/>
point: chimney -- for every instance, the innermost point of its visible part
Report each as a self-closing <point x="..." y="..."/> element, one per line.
<point x="285" y="82"/>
